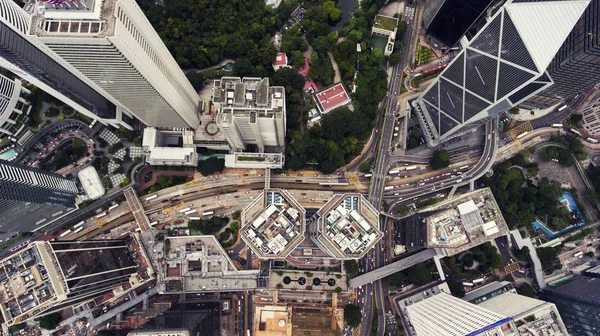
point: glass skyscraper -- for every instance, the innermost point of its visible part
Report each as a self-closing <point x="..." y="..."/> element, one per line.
<point x="503" y="64"/>
<point x="30" y="197"/>
<point x="578" y="301"/>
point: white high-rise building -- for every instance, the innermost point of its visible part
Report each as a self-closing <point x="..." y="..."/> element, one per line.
<point x="250" y="112"/>
<point x="114" y="46"/>
<point x="444" y="314"/>
<point x="504" y="64"/>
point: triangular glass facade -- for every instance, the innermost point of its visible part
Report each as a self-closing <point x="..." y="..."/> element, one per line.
<point x="480" y="74"/>
<point x="446" y="124"/>
<point x="456" y="71"/>
<point x="431" y="96"/>
<point x="511" y="78"/>
<point x="513" y="49"/>
<point x="489" y="39"/>
<point x="473" y="106"/>
<point x="451" y="101"/>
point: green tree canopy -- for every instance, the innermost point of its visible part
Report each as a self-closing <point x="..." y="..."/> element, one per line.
<point x="439" y="160"/>
<point x="352" y="315"/>
<point x="419" y="274"/>
<point x="351" y="267"/>
<point x="50" y="321"/>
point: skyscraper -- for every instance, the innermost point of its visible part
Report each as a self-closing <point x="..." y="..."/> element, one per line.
<point x="31" y="60"/>
<point x="50" y="276"/>
<point x="30" y="197"/>
<point x="114" y="45"/>
<point x="448" y="20"/>
<point x="576" y="67"/>
<point x="503" y="64"/>
<point x="578" y="301"/>
<point x="444" y="314"/>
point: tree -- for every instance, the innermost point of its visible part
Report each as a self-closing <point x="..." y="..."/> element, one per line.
<point x="365" y="167"/>
<point x="352" y="315"/>
<point x="211" y="166"/>
<point x="514" y="110"/>
<point x="547" y="255"/>
<point x="576" y="119"/>
<point x="526" y="289"/>
<point x="395" y="58"/>
<point x="467" y="260"/>
<point x="419" y="274"/>
<point x="196" y="79"/>
<point x="351" y="267"/>
<point x="298" y="58"/>
<point x="439" y="160"/>
<point x="334" y="13"/>
<point x="396" y="279"/>
<point x="50" y="321"/>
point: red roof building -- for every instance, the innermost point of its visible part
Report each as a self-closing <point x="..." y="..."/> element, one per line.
<point x="332" y="98"/>
<point x="281" y="61"/>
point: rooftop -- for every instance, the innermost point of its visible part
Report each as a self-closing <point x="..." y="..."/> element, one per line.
<point x="464" y="222"/>
<point x="92" y="185"/>
<point x="239" y="96"/>
<point x="199" y="263"/>
<point x="280" y="59"/>
<point x="385" y="22"/>
<point x="348" y="226"/>
<point x="169" y="332"/>
<point x="332" y="98"/>
<point x="273" y="224"/>
<point x="292" y="320"/>
<point x="167" y="146"/>
<point x="254" y="160"/>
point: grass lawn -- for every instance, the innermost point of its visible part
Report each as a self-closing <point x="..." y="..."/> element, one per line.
<point x="386" y="23"/>
<point x="403" y="88"/>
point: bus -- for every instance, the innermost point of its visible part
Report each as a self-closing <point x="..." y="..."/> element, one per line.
<point x="464" y="167"/>
<point x="153" y="223"/>
<point x="575" y="131"/>
<point x="394" y="171"/>
<point x="411" y="168"/>
<point x="556" y="125"/>
<point x="185" y="210"/>
<point x="113" y="206"/>
<point x="562" y="108"/>
<point x="65" y="233"/>
<point x="592" y="140"/>
<point x="151" y="197"/>
<point x="578" y="255"/>
<point x="194" y="218"/>
<point x="522" y="135"/>
<point x="78" y="230"/>
<point x="78" y="224"/>
<point x="100" y="215"/>
<point x="468" y="284"/>
<point x="368" y="175"/>
<point x="207" y="213"/>
<point x="190" y="212"/>
<point x="478" y="281"/>
<point x="388" y="188"/>
<point x="333" y="183"/>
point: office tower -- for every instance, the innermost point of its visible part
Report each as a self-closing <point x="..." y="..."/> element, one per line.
<point x="114" y="45"/>
<point x="346" y="227"/>
<point x="444" y="314"/>
<point x="273" y="224"/>
<point x="503" y="64"/>
<point x="531" y="316"/>
<point x="590" y="112"/>
<point x="576" y="67"/>
<point x="14" y="107"/>
<point x="578" y="301"/>
<point x="249" y="112"/>
<point x="446" y="21"/>
<point x="30" y="197"/>
<point x="32" y="61"/>
<point x="49" y="276"/>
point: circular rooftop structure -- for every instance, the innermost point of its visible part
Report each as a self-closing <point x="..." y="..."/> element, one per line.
<point x="281" y="323"/>
<point x="212" y="128"/>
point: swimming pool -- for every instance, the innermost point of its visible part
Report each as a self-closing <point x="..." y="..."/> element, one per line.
<point x="8" y="155"/>
<point x="573" y="207"/>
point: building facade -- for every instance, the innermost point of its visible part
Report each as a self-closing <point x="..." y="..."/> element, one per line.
<point x="446" y="21"/>
<point x="34" y="62"/>
<point x="50" y="276"/>
<point x="249" y="112"/>
<point x="590" y="112"/>
<point x="30" y="197"/>
<point x="114" y="45"/>
<point x="504" y="64"/>
<point x="576" y="67"/>
<point x="14" y="108"/>
<point x="578" y="301"/>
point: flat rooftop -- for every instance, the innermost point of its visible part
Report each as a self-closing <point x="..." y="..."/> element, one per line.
<point x="385" y="22"/>
<point x="92" y="185"/>
<point x="292" y="320"/>
<point x="273" y="224"/>
<point x="348" y="226"/>
<point x="26" y="287"/>
<point x="464" y="222"/>
<point x="332" y="98"/>
<point x="199" y="263"/>
<point x="235" y="94"/>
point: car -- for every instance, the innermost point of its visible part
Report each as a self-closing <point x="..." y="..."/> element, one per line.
<point x="88" y="146"/>
<point x="377" y="130"/>
<point x="395" y="91"/>
<point x="216" y="197"/>
<point x="488" y="158"/>
<point x="247" y="192"/>
<point x="312" y="199"/>
<point x="316" y="175"/>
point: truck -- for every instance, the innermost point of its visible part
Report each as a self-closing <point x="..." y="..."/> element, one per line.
<point x="388" y="188"/>
<point x="578" y="255"/>
<point x="185" y="210"/>
<point x="411" y="168"/>
<point x="394" y="171"/>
